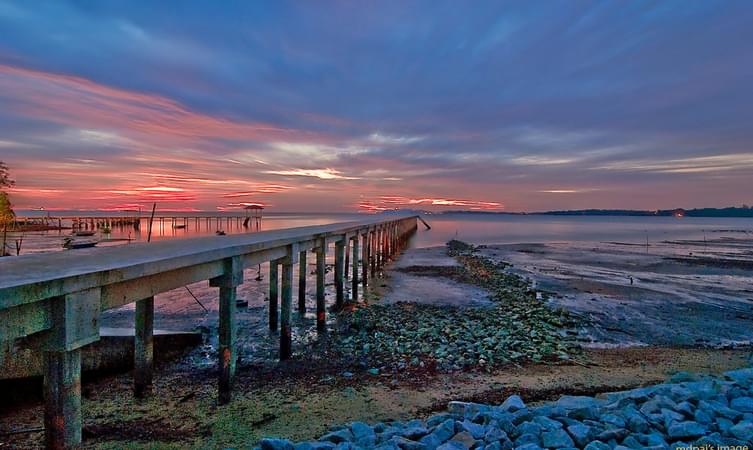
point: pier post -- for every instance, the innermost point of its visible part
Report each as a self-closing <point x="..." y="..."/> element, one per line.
<point x="321" y="268"/>
<point x="365" y="260"/>
<point x="378" y="247"/>
<point x="287" y="301"/>
<point x="340" y="270"/>
<point x="372" y="252"/>
<point x="62" y="395"/>
<point x="347" y="257"/>
<point x="75" y="323"/>
<point x="302" y="282"/>
<point x="143" y="347"/>
<point x="354" y="292"/>
<point x="273" y="293"/>
<point x="228" y="282"/>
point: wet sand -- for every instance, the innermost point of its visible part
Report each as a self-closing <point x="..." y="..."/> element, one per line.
<point x="678" y="293"/>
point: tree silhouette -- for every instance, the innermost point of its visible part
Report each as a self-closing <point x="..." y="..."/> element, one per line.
<point x="5" y="180"/>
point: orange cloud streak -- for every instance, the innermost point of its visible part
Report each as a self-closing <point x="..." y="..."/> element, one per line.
<point x="79" y="102"/>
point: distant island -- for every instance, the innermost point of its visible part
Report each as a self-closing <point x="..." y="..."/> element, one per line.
<point x="732" y="211"/>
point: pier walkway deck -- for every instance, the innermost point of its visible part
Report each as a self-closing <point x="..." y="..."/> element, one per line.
<point x="52" y="302"/>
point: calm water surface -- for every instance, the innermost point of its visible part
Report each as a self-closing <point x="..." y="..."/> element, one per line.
<point x="476" y="229"/>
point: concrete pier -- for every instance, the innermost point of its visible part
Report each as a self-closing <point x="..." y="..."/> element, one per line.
<point x="51" y="303"/>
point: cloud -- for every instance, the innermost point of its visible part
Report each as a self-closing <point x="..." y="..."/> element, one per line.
<point x="324" y="174"/>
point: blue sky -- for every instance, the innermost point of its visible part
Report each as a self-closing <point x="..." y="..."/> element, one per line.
<point x="524" y="105"/>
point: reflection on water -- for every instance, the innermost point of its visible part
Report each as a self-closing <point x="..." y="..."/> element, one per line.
<point x="177" y="226"/>
<point x="482" y="229"/>
<point x="500" y="229"/>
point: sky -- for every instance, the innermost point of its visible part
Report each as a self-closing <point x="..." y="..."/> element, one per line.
<point x="364" y="106"/>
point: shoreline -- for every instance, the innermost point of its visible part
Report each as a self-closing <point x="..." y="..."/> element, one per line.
<point x="280" y="399"/>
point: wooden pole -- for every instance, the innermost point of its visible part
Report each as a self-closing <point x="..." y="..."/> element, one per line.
<point x="273" y="293"/>
<point x="228" y="356"/>
<point x="62" y="397"/>
<point x="321" y="314"/>
<point x="143" y="349"/>
<point x="151" y="219"/>
<point x="287" y="300"/>
<point x="347" y="257"/>
<point x="354" y="292"/>
<point x="339" y="273"/>
<point x="302" y="282"/>
<point x="365" y="260"/>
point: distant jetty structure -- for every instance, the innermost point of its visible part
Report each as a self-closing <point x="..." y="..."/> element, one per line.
<point x="252" y="220"/>
<point x="52" y="302"/>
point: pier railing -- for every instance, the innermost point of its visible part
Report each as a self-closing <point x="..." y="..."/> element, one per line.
<point x="52" y="302"/>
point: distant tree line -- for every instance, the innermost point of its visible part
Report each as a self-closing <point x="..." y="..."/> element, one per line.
<point x="732" y="211"/>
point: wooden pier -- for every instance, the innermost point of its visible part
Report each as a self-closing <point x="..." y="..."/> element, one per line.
<point x="52" y="302"/>
<point x="251" y="222"/>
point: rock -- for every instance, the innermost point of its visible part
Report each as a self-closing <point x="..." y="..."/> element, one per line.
<point x="556" y="439"/>
<point x="742" y="404"/>
<point x="363" y="434"/>
<point x="475" y="430"/>
<point x="464" y="438"/>
<point x="347" y="375"/>
<point x="528" y="447"/>
<point x="407" y="444"/>
<point x="631" y="442"/>
<point x="315" y="446"/>
<point x="494" y="434"/>
<point x="611" y="419"/>
<point x="452" y="445"/>
<point x="703" y="417"/>
<point x="743" y="430"/>
<point x="547" y="423"/>
<point x="581" y="434"/>
<point x="686" y="429"/>
<point x="336" y="437"/>
<point x="637" y="424"/>
<point x="275" y="444"/>
<point x="415" y="433"/>
<point x="373" y="371"/>
<point x="723" y="425"/>
<point x="742" y="377"/>
<point x="528" y="428"/>
<point x="617" y="434"/>
<point x="440" y="434"/>
<point x="570" y="402"/>
<point x="527" y="439"/>
<point x="513" y="403"/>
<point x="597" y="445"/>
<point x="686" y="409"/>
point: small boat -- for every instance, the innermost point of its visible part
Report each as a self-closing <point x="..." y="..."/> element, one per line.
<point x="84" y="233"/>
<point x="220" y="233"/>
<point x="71" y="244"/>
<point x="179" y="227"/>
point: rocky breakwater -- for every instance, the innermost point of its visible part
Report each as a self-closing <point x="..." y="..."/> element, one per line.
<point x="687" y="410"/>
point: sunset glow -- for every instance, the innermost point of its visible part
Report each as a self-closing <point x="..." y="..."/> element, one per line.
<point x="481" y="109"/>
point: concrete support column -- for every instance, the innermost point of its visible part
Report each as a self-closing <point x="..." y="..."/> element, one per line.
<point x="143" y="347"/>
<point x="365" y="260"/>
<point x="75" y="320"/>
<point x="374" y="252"/>
<point x="340" y="270"/>
<point x="321" y="314"/>
<point x="62" y="399"/>
<point x="228" y="355"/>
<point x="286" y="337"/>
<point x="302" y="282"/>
<point x="347" y="257"/>
<point x="273" y="293"/>
<point x="356" y="251"/>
